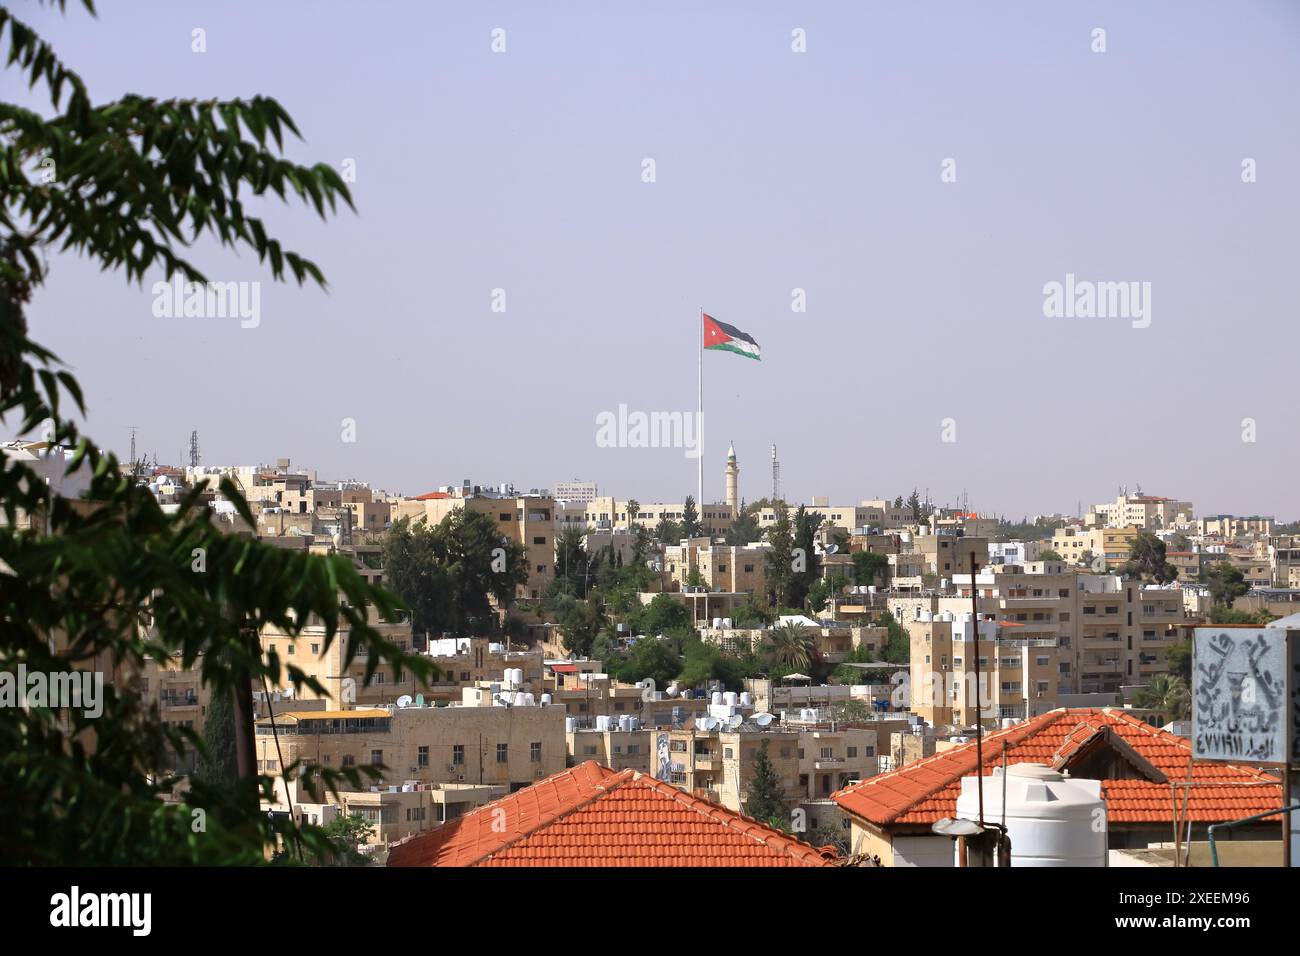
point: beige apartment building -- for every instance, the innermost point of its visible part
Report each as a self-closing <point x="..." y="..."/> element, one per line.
<point x="393" y="812"/>
<point x="588" y="696"/>
<point x="726" y="568"/>
<point x="1019" y="669"/>
<point x="527" y="520"/>
<point x="611" y="514"/>
<point x="1073" y="545"/>
<point x="1230" y="528"/>
<point x="1067" y="632"/>
<point x="469" y="661"/>
<point x="616" y="749"/>
<point x="501" y="746"/>
<point x="718" y="765"/>
<point x="1147" y="512"/>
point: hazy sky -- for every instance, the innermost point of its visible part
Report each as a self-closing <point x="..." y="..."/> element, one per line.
<point x="774" y="170"/>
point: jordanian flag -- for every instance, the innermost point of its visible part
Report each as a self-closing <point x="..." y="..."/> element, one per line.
<point x="724" y="337"/>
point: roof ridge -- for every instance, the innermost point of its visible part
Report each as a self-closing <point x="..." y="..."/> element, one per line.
<point x="730" y="818"/>
<point x="599" y="789"/>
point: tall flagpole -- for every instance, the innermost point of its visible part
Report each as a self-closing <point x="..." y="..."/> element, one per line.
<point x="699" y="420"/>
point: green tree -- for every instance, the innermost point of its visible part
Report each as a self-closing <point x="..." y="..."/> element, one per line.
<point x="416" y="573"/>
<point x="870" y="567"/>
<point x="668" y="531"/>
<point x="808" y="566"/>
<point x="579" y="626"/>
<point x="1049" y="555"/>
<point x="1179" y="660"/>
<point x="779" y="558"/>
<point x="914" y="505"/>
<point x="454" y="571"/>
<point x="347" y="834"/>
<point x="765" y="799"/>
<point x="744" y="530"/>
<point x="1226" y="615"/>
<point x="115" y="578"/>
<point x="664" y="613"/>
<point x="752" y="614"/>
<point x="650" y="659"/>
<point x="574" y="567"/>
<point x="691" y="526"/>
<point x="633" y="512"/>
<point x="1147" y="559"/>
<point x="1168" y="696"/>
<point x="790" y="646"/>
<point x="217" y="763"/>
<point x="1226" y="582"/>
<point x="898" y="648"/>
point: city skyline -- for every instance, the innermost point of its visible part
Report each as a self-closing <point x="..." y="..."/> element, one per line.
<point x="776" y="171"/>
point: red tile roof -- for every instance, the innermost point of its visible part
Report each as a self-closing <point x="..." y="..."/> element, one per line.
<point x="590" y="815"/>
<point x="926" y="791"/>
<point x="431" y="496"/>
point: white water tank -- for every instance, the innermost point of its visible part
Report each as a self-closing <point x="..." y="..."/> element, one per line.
<point x="716" y="698"/>
<point x="730" y="698"/>
<point x="746" y="699"/>
<point x="546" y="700"/>
<point x="1052" y="819"/>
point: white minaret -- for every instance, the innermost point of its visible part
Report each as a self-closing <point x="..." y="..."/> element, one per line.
<point x="733" y="480"/>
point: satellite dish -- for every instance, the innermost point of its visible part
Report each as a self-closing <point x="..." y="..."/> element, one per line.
<point x="405" y="701"/>
<point x="763" y="719"/>
<point x="956" y="828"/>
<point x="734" y="721"/>
<point x="708" y="723"/>
<point x="832" y="549"/>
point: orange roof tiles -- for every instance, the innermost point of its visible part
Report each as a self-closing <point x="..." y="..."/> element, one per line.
<point x="590" y="815"/>
<point x="926" y="791"/>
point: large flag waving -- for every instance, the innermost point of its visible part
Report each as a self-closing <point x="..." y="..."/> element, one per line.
<point x="724" y="337"/>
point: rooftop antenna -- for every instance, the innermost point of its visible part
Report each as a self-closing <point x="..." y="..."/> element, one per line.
<point x="776" y="477"/>
<point x="194" y="448"/>
<point x="131" y="461"/>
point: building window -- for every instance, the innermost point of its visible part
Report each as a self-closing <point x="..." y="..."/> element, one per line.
<point x="376" y="757"/>
<point x="535" y="752"/>
<point x="422" y="757"/>
<point x="458" y="754"/>
<point x="503" y="753"/>
<point x="852" y="752"/>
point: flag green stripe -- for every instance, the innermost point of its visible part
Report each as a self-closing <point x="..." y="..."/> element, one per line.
<point x="728" y="347"/>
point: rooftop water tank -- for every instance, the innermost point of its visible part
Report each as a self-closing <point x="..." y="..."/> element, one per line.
<point x="746" y="699"/>
<point x="1052" y="819"/>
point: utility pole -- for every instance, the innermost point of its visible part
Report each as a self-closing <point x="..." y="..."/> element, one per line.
<point x="979" y="727"/>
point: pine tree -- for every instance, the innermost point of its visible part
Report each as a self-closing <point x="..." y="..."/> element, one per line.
<point x="765" y="801"/>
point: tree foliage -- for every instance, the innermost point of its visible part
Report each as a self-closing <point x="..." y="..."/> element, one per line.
<point x="115" y="579"/>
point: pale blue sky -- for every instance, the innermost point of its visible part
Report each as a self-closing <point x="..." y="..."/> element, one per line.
<point x="775" y="170"/>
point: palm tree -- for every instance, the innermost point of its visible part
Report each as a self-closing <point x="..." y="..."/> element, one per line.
<point x="790" y="645"/>
<point x="1168" y="696"/>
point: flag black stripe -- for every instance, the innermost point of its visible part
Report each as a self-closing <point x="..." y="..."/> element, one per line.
<point x="734" y="332"/>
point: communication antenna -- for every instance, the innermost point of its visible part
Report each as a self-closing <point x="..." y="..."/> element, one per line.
<point x="194" y="448"/>
<point x="132" y="459"/>
<point x="776" y="477"/>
